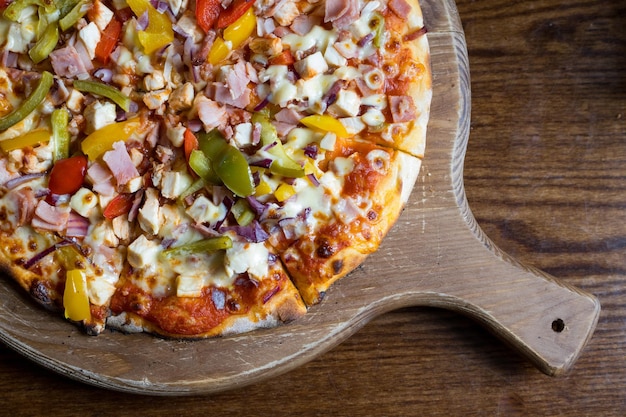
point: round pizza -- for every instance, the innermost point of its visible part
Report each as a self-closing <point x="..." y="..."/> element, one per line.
<point x="194" y="168"/>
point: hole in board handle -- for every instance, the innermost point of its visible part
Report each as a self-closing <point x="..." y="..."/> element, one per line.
<point x="558" y="325"/>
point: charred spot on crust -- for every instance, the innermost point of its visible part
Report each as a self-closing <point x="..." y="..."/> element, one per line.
<point x="41" y="293"/>
<point x="325" y="249"/>
<point x="337" y="266"/>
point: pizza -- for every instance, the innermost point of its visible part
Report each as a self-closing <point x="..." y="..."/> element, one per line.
<point x="196" y="168"/>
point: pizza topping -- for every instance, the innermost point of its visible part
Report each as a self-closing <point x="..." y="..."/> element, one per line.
<point x="75" y="298"/>
<point x="211" y="140"/>
<point x="27" y="106"/>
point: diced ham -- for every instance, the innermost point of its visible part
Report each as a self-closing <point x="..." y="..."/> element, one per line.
<point x="303" y="24"/>
<point x="264" y="26"/>
<point x="101" y="179"/>
<point x="237" y="80"/>
<point x="211" y="114"/>
<point x="5" y="174"/>
<point x="283" y="129"/>
<point x="400" y="7"/>
<point x="341" y="12"/>
<point x="223" y="96"/>
<point x="402" y="108"/>
<point x="119" y="162"/>
<point x="26" y="204"/>
<point x="50" y="217"/>
<point x="288" y="116"/>
<point x="66" y="62"/>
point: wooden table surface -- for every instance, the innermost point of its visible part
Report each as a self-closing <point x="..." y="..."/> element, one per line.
<point x="545" y="176"/>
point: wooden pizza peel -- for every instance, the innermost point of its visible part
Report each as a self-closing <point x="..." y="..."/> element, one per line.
<point x="436" y="255"/>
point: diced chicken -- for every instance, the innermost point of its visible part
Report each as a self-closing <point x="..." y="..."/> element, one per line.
<point x="204" y="211"/>
<point x="334" y="58"/>
<point x="243" y="135"/>
<point x="173" y="183"/>
<point x="99" y="114"/>
<point x="90" y="36"/>
<point x="121" y="227"/>
<point x="18" y="38"/>
<point x="154" y="81"/>
<point x="101" y="15"/>
<point x="176" y="134"/>
<point x="84" y="201"/>
<point x="133" y="185"/>
<point x="311" y="65"/>
<point x="353" y="125"/>
<point x="267" y="46"/>
<point x="75" y="101"/>
<point x="149" y="219"/>
<point x="285" y="12"/>
<point x="105" y="235"/>
<point x="188" y="24"/>
<point x="155" y="99"/>
<point x="348" y="104"/>
<point x="247" y="257"/>
<point x="143" y="252"/>
<point x="119" y="162"/>
<point x="189" y="286"/>
<point x="66" y="62"/>
<point x="182" y="97"/>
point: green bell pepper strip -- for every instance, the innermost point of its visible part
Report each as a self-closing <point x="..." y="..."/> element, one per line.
<point x="197" y="185"/>
<point x="14" y="10"/>
<point x="201" y="165"/>
<point x="74" y="15"/>
<point x="242" y="212"/>
<point x="60" y="134"/>
<point x="212" y="244"/>
<point x="30" y="104"/>
<point x="378" y="23"/>
<point x="45" y="44"/>
<point x="233" y="169"/>
<point x="282" y="164"/>
<point x="65" y="6"/>
<point x="104" y="90"/>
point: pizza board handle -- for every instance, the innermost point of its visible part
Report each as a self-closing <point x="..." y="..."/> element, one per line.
<point x="545" y="320"/>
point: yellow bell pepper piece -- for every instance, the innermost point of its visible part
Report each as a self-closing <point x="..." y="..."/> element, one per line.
<point x="284" y="191"/>
<point x="32" y="138"/>
<point x="234" y="35"/>
<point x="241" y="29"/>
<point x="75" y="297"/>
<point x="103" y="139"/>
<point x="159" y="32"/>
<point x="262" y="189"/>
<point x="219" y="51"/>
<point x="325" y="123"/>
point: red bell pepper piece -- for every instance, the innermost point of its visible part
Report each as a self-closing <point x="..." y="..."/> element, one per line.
<point x="207" y="12"/>
<point x="236" y="9"/>
<point x="121" y="204"/>
<point x="190" y="143"/>
<point x="108" y="41"/>
<point x="67" y="175"/>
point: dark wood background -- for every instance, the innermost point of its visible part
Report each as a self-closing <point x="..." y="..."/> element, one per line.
<point x="545" y="176"/>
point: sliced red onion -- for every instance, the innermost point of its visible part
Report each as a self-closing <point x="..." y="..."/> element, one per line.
<point x="9" y="59"/>
<point x="310" y="150"/>
<point x="256" y="134"/>
<point x="167" y="242"/>
<point x="252" y="233"/>
<point x="263" y="163"/>
<point x="263" y="103"/>
<point x="16" y="182"/>
<point x="288" y="226"/>
<point x="205" y="230"/>
<point x="272" y="258"/>
<point x="39" y="256"/>
<point x="195" y="125"/>
<point x="120" y="115"/>
<point x="256" y="206"/>
<point x="180" y="31"/>
<point x="143" y="21"/>
<point x="219" y="299"/>
<point x="414" y="35"/>
<point x="77" y="225"/>
<point x="134" y="208"/>
<point x="365" y="39"/>
<point x="268" y="295"/>
<point x="104" y="74"/>
<point x="313" y="180"/>
<point x="268" y="147"/>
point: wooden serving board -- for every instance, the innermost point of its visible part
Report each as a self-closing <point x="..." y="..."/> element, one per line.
<point x="436" y="255"/>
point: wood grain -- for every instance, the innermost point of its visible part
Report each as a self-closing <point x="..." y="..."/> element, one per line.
<point x="543" y="175"/>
